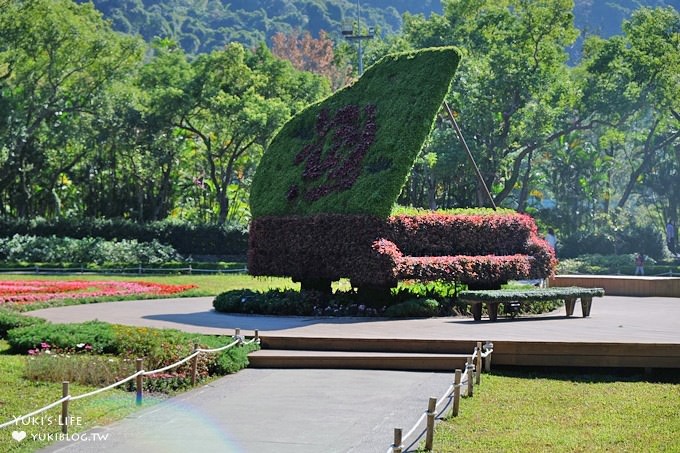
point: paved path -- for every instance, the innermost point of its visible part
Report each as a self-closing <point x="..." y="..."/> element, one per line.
<point x="282" y="411"/>
<point x="326" y="411"/>
<point x="612" y="319"/>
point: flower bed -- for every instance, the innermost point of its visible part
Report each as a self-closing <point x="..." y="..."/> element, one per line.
<point x="31" y="291"/>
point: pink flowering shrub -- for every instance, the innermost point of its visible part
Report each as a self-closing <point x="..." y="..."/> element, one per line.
<point x="32" y="291"/>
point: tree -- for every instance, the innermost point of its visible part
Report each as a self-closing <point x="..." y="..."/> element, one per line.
<point x="230" y="102"/>
<point x="309" y="54"/>
<point x="631" y="80"/>
<point x="57" y="59"/>
<point x="513" y="89"/>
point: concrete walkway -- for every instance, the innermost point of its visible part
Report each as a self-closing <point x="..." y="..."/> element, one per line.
<point x="283" y="411"/>
<point x="612" y="319"/>
<point x="320" y="411"/>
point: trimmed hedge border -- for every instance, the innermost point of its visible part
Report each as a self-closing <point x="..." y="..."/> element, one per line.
<point x="372" y="252"/>
<point x="186" y="238"/>
<point x="530" y="294"/>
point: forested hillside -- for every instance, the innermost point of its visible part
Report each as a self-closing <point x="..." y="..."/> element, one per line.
<point x="201" y="25"/>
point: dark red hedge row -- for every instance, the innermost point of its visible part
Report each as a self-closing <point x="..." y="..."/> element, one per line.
<point x="375" y="252"/>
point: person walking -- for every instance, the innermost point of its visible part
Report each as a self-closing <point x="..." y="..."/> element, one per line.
<point x="639" y="264"/>
<point x="551" y="239"/>
<point x="670" y="236"/>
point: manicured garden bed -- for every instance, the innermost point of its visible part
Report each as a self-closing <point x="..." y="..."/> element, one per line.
<point x="36" y="356"/>
<point x="192" y="285"/>
<point x="408" y="300"/>
<point x="30" y="291"/>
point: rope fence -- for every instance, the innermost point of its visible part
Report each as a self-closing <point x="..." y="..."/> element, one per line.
<point x="138" y="376"/>
<point x="463" y="385"/>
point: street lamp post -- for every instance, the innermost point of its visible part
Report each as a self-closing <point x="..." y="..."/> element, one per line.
<point x="348" y="33"/>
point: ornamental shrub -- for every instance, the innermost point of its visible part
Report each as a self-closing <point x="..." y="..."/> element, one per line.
<point x="11" y="319"/>
<point x="57" y="354"/>
<point x="97" y="334"/>
<point x="413" y="308"/>
<point x="375" y="252"/>
<point x="352" y="152"/>
<point x="52" y="249"/>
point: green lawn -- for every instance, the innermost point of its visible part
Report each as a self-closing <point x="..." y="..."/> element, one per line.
<point x="524" y="412"/>
<point x="20" y="396"/>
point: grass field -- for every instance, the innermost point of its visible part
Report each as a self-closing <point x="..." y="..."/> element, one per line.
<point x="19" y="396"/>
<point x="522" y="411"/>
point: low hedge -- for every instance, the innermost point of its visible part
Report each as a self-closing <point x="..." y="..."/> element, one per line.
<point x="158" y="348"/>
<point x="52" y="249"/>
<point x="185" y="237"/>
<point x="11" y="319"/>
<point x="273" y="302"/>
<point x="99" y="335"/>
<point x="403" y="303"/>
<point x="530" y="294"/>
<point x="414" y="308"/>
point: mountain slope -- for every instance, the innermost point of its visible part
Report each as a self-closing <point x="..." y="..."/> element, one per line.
<point x="202" y="25"/>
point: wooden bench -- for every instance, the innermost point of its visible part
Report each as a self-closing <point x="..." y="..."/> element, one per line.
<point x="492" y="298"/>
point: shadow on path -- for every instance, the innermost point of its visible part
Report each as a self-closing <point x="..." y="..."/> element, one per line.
<point x="252" y="322"/>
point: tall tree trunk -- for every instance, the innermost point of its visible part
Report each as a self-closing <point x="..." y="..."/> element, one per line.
<point x="524" y="192"/>
<point x="223" y="202"/>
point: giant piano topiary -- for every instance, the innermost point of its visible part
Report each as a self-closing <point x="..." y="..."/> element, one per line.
<point x="322" y="194"/>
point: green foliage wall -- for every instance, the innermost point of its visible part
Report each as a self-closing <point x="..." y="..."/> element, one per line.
<point x="319" y="163"/>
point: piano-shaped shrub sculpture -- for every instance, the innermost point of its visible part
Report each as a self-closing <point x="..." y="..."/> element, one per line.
<point x="322" y="195"/>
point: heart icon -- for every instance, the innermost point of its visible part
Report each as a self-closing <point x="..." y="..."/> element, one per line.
<point x="18" y="435"/>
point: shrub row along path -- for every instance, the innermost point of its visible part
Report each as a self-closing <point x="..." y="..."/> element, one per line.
<point x="259" y="410"/>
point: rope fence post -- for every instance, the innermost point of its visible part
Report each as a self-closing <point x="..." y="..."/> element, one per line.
<point x="487" y="360"/>
<point x="397" y="441"/>
<point x="470" y="367"/>
<point x="139" y="380"/>
<point x="64" y="408"/>
<point x="478" y="364"/>
<point x="194" y="366"/>
<point x="429" y="437"/>
<point x="456" y="393"/>
<point x="65" y="419"/>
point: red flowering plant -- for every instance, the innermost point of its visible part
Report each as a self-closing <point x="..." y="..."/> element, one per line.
<point x="33" y="291"/>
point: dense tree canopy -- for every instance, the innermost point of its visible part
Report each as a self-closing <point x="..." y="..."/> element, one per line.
<point x="571" y="144"/>
<point x="89" y="127"/>
<point x="97" y="123"/>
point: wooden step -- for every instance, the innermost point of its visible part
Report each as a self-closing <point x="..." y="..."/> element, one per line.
<point x="398" y="345"/>
<point x="280" y="358"/>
